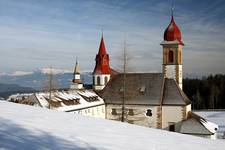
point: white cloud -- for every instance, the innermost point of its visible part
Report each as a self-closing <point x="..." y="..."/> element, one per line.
<point x="21" y="73"/>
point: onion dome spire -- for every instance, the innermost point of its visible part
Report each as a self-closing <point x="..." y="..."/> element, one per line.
<point x="173" y="32"/>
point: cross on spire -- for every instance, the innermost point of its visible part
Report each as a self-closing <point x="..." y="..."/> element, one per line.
<point x="172" y="8"/>
<point x="102" y="30"/>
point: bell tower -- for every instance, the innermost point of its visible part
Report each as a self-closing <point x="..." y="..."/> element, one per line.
<point x="76" y="82"/>
<point x="172" y="52"/>
<point x="102" y="71"/>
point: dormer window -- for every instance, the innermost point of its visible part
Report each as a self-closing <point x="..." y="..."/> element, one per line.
<point x="142" y="89"/>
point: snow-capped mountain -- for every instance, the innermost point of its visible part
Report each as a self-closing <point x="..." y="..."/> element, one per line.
<point x="39" y="77"/>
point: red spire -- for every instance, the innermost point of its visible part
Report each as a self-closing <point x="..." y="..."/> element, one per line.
<point x="102" y="49"/>
<point x="172" y="32"/>
<point x="102" y="60"/>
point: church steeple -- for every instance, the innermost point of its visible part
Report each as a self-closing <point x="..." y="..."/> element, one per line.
<point x="101" y="73"/>
<point x="172" y="51"/>
<point x="76" y="82"/>
<point x="102" y="59"/>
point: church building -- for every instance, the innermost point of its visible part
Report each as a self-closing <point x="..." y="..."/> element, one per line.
<point x="149" y="99"/>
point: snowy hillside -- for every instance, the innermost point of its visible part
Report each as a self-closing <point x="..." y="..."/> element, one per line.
<point x="26" y="127"/>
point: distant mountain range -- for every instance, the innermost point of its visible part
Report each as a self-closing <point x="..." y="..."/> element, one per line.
<point x="35" y="81"/>
<point x="8" y="89"/>
<point x="20" y="81"/>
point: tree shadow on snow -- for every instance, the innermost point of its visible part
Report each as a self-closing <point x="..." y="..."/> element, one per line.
<point x="14" y="136"/>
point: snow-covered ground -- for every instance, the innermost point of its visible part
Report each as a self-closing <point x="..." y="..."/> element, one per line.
<point x="217" y="117"/>
<point x="27" y="127"/>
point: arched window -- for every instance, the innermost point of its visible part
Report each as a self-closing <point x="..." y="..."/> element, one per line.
<point x="170" y="56"/>
<point x="106" y="80"/>
<point x="98" y="80"/>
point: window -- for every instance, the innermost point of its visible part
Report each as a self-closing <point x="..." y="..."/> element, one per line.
<point x="170" y="56"/>
<point x="98" y="80"/>
<point x="114" y="111"/>
<point x="106" y="80"/>
<point x="131" y="112"/>
<point x="149" y="113"/>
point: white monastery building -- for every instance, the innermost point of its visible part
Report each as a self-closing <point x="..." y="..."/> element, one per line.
<point x="84" y="102"/>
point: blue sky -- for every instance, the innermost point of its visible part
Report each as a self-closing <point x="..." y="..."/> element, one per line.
<point x="43" y="33"/>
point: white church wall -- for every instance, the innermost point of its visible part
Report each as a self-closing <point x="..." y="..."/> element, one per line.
<point x="171" y="115"/>
<point x="77" y="76"/>
<point x="102" y="84"/>
<point x="76" y="86"/>
<point x="180" y="76"/>
<point x="134" y="114"/>
<point x="96" y="111"/>
<point x="188" y="108"/>
<point x="170" y="71"/>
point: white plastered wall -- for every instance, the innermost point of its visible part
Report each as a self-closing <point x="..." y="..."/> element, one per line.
<point x="170" y="115"/>
<point x="174" y="72"/>
<point x="76" y="86"/>
<point x="102" y="81"/>
<point x="77" y="76"/>
<point x="139" y="117"/>
<point x="96" y="111"/>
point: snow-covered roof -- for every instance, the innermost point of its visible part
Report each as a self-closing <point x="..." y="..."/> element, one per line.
<point x="217" y="117"/>
<point x="26" y="127"/>
<point x="196" y="124"/>
<point x="82" y="96"/>
<point x="41" y="99"/>
<point x="18" y="96"/>
<point x="212" y="127"/>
